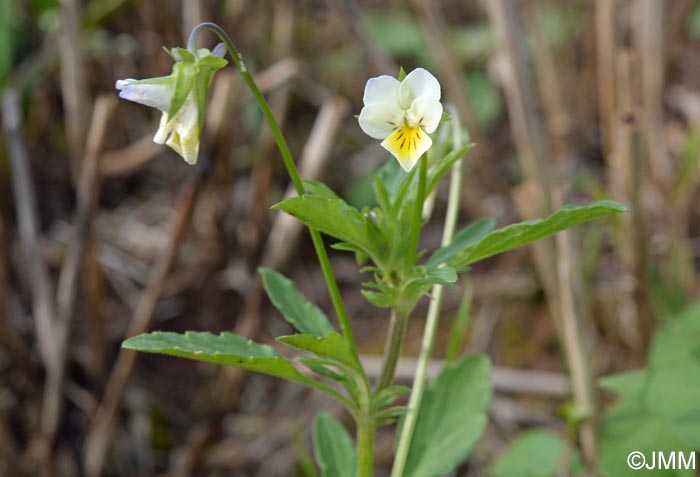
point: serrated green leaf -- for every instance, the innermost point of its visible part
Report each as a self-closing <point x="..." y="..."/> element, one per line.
<point x="451" y="418"/>
<point x="333" y="447"/>
<point x="294" y="307"/>
<point x="333" y="217"/>
<point x="534" y="453"/>
<point x="466" y="237"/>
<point x="226" y="348"/>
<point x="332" y="346"/>
<point x="523" y="233"/>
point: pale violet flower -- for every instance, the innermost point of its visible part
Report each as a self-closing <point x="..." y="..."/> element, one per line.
<point x="402" y="114"/>
<point x="181" y="97"/>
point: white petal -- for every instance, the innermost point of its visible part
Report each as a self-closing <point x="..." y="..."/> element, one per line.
<point x="164" y="129"/>
<point x="378" y="120"/>
<point x="187" y="116"/>
<point x="425" y="112"/>
<point x="186" y="146"/>
<point x="121" y="84"/>
<point x="153" y="95"/>
<point x="381" y="89"/>
<point x="407" y="145"/>
<point x="418" y="82"/>
<point x="185" y="137"/>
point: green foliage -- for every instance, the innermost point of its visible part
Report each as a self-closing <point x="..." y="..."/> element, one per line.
<point x="227" y="349"/>
<point x="523" y="233"/>
<point x="297" y="310"/>
<point x="333" y="447"/>
<point x="334" y="217"/>
<point x="658" y="408"/>
<point x="451" y="418"/>
<point x="466" y="237"/>
<point x="382" y="233"/>
<point x="333" y="346"/>
<point x="534" y="453"/>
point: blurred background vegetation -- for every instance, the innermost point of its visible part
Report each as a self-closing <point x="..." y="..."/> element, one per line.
<point x="103" y="233"/>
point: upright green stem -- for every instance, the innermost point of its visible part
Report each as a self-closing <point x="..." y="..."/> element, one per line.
<point x="431" y="322"/>
<point x="321" y="252"/>
<point x="392" y="350"/>
<point x="365" y="445"/>
<point x="399" y="318"/>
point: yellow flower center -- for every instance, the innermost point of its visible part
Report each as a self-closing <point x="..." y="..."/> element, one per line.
<point x="405" y="141"/>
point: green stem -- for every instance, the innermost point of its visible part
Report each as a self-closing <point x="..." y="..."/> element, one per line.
<point x="392" y="350"/>
<point x="431" y="321"/>
<point x="399" y="318"/>
<point x="321" y="252"/>
<point x="365" y="446"/>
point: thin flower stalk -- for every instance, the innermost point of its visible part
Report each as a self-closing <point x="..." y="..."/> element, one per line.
<point x="321" y="252"/>
<point x="432" y="320"/>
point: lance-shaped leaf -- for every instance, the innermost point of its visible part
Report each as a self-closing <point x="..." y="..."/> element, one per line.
<point x="295" y="308"/>
<point x="334" y="217"/>
<point x="226" y="348"/>
<point x="466" y="237"/>
<point x="517" y="235"/>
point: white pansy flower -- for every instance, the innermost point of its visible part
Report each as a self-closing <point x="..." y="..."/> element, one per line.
<point x="181" y="132"/>
<point x="180" y="96"/>
<point x="402" y="114"/>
